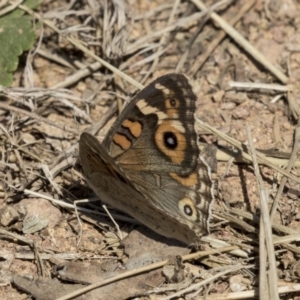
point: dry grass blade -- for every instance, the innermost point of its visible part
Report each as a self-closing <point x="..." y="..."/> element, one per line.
<point x="269" y="291"/>
<point x="261" y="158"/>
<point x="264" y="290"/>
<point x="183" y="22"/>
<point x="78" y="75"/>
<point x="259" y="85"/>
<point x="192" y="41"/>
<point x="289" y="167"/>
<point x="253" y="294"/>
<point x="287" y="238"/>
<point x="78" y="208"/>
<point x="227" y="155"/>
<point x="16" y="237"/>
<point x="243" y="43"/>
<point x="216" y="41"/>
<point x="80" y="46"/>
<point x="10" y="8"/>
<point x="36" y="117"/>
<point x="291" y="234"/>
<point x="162" y="41"/>
<point x="198" y="285"/>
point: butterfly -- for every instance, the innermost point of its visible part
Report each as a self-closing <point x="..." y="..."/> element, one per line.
<point x="149" y="165"/>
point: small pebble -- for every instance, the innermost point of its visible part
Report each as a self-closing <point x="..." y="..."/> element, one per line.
<point x="228" y="106"/>
<point x="8" y="215"/>
<point x="241" y="112"/>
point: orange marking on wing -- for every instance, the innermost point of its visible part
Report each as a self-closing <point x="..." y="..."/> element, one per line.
<point x="177" y="155"/>
<point x="172" y="105"/>
<point x="190" y="180"/>
<point x="135" y="128"/>
<point x="122" y="141"/>
<point x="172" y="112"/>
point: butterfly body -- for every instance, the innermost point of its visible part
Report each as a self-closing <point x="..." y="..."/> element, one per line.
<point x="154" y="147"/>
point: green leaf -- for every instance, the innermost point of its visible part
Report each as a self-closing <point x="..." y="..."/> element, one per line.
<point x="16" y="36"/>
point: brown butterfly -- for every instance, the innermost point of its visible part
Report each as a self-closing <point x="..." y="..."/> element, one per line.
<point x="149" y="164"/>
